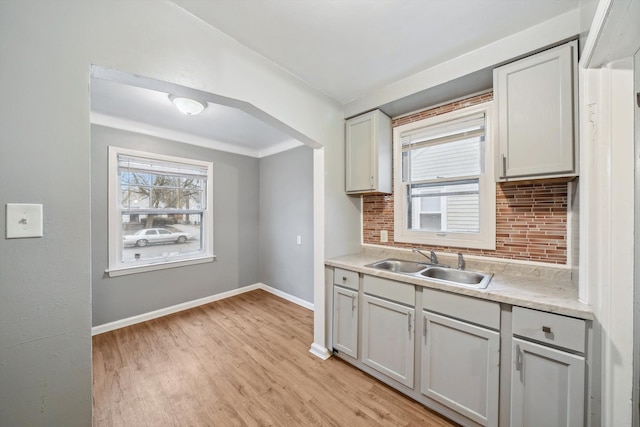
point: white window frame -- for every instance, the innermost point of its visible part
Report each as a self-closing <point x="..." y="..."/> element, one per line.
<point x="486" y="238"/>
<point x="115" y="235"/>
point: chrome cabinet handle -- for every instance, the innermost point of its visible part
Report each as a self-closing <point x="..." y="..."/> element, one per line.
<point x="424" y="327"/>
<point x="353" y="302"/>
<point x="546" y="329"/>
<point x="504" y="166"/>
<point x="409" y="322"/>
<point x="520" y="363"/>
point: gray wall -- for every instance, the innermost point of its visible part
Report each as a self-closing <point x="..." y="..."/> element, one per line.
<point x="46" y="50"/>
<point x="45" y="305"/>
<point x="235" y="229"/>
<point x="286" y="211"/>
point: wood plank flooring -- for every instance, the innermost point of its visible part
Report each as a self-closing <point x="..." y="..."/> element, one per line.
<point x="242" y="361"/>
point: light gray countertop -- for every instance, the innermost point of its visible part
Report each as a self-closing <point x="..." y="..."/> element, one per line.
<point x="541" y="288"/>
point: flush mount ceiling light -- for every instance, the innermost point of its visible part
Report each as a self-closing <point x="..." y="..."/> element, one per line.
<point x="187" y="106"/>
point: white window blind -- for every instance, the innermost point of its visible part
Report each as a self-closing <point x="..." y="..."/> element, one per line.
<point x="149" y="185"/>
<point x="145" y="165"/>
<point x="441" y="167"/>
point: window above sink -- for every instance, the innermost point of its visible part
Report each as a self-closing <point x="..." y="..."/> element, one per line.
<point x="444" y="187"/>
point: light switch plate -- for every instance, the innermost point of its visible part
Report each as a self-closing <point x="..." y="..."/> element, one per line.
<point x="24" y="220"/>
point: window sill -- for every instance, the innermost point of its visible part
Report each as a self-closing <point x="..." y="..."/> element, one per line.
<point x="451" y="240"/>
<point x="122" y="271"/>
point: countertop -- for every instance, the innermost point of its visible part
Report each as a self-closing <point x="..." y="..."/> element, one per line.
<point x="540" y="288"/>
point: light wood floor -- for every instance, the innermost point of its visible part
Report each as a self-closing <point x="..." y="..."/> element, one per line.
<point x="242" y="361"/>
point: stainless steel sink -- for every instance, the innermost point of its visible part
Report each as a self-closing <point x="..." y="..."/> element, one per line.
<point x="464" y="277"/>
<point x="399" y="266"/>
<point x="439" y="273"/>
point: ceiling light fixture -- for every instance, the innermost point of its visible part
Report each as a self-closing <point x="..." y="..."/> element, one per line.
<point x="187" y="106"/>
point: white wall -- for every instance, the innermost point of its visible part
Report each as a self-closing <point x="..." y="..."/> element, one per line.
<point x="607" y="200"/>
<point x="46" y="49"/>
<point x="636" y="309"/>
<point x="607" y="224"/>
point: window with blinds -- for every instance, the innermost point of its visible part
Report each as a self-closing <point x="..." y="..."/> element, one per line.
<point x="159" y="210"/>
<point x="441" y="178"/>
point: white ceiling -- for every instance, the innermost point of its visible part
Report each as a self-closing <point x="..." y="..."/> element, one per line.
<point x="151" y="112"/>
<point x="349" y="48"/>
<point x="344" y="48"/>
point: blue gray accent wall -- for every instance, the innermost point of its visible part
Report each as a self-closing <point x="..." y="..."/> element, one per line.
<point x="286" y="212"/>
<point x="235" y="217"/>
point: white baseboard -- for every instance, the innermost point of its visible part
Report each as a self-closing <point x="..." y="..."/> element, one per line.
<point x="320" y="351"/>
<point x="284" y="295"/>
<point x="111" y="326"/>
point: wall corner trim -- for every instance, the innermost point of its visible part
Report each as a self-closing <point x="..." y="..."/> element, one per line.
<point x="111" y="326"/>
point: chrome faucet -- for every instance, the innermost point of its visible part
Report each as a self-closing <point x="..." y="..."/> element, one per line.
<point x="460" y="261"/>
<point x="432" y="257"/>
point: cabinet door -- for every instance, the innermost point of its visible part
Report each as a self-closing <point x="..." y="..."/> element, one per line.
<point x="388" y="338"/>
<point x="461" y="367"/>
<point x="536" y="114"/>
<point x="360" y="137"/>
<point x="345" y="321"/>
<point x="547" y="386"/>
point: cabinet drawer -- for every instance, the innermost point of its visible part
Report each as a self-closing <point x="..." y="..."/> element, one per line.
<point x="554" y="329"/>
<point x="480" y="312"/>
<point x="389" y="289"/>
<point x="346" y="278"/>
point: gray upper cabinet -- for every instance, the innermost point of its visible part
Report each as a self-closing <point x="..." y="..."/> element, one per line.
<point x="537" y="115"/>
<point x="368" y="153"/>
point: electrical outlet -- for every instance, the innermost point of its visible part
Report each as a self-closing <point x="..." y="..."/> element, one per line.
<point x="299" y="240"/>
<point x="384" y="236"/>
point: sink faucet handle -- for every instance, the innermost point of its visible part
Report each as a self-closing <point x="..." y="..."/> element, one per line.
<point x="460" y="261"/>
<point x="434" y="257"/>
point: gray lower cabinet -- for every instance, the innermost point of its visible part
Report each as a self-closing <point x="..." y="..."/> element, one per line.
<point x="345" y="321"/>
<point x="388" y="320"/>
<point x="460" y="366"/>
<point x="547" y="369"/>
<point x="457" y="360"/>
<point x="547" y="386"/>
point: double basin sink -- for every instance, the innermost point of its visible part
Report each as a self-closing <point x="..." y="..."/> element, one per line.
<point x="437" y="272"/>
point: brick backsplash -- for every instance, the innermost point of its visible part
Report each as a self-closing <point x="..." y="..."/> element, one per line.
<point x="531" y="218"/>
